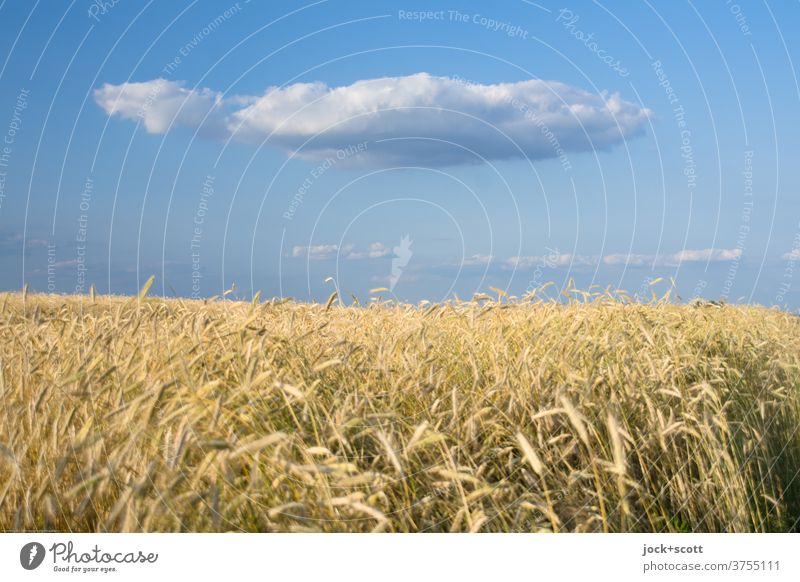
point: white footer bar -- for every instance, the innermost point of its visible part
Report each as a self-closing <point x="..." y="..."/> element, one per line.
<point x="353" y="557"/>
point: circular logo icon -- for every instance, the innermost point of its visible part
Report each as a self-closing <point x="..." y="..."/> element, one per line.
<point x="31" y="555"/>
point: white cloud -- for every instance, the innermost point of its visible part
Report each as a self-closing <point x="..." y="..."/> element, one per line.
<point x="555" y="259"/>
<point x="522" y="262"/>
<point x="548" y="261"/>
<point x="319" y="252"/>
<point x="551" y="260"/>
<point x="62" y="264"/>
<point x="630" y="260"/>
<point x="477" y="260"/>
<point x="12" y="244"/>
<point x="545" y="118"/>
<point x="793" y="255"/>
<point x="159" y="103"/>
<point x="376" y="250"/>
<point x="704" y="255"/>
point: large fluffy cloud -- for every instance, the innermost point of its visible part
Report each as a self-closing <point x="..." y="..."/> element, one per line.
<point x="415" y="119"/>
<point x="159" y="104"/>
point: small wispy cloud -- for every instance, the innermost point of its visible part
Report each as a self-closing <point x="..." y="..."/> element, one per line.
<point x="793" y="255"/>
<point x="550" y="260"/>
<point x="628" y="259"/>
<point x="477" y="260"/>
<point x="319" y="252"/>
<point x="553" y="260"/>
<point x="62" y="264"/>
<point x="698" y="256"/>
<point x="12" y="244"/>
<point x="376" y="250"/>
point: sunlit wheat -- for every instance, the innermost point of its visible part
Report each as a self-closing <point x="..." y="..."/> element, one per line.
<point x="142" y="414"/>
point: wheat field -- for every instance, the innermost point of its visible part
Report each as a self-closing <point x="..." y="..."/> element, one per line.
<point x="496" y="414"/>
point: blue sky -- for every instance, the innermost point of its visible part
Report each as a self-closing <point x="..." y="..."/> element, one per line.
<point x="434" y="148"/>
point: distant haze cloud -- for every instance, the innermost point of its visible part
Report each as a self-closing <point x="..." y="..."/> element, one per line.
<point x="319" y="252"/>
<point x="476" y="260"/>
<point x="376" y="251"/>
<point x="688" y="256"/>
<point x="625" y="259"/>
<point x="551" y="260"/>
<point x="534" y="119"/>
